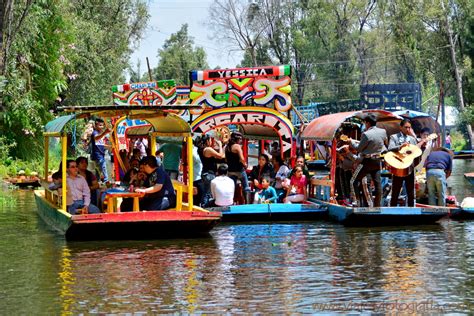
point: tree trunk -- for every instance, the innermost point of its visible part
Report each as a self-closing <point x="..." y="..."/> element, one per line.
<point x="457" y="73"/>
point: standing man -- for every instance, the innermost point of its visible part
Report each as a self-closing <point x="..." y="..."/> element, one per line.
<point x="397" y="142"/>
<point x="370" y="147"/>
<point x="438" y="168"/>
<point x="79" y="194"/>
<point x="98" y="139"/>
<point x="171" y="158"/>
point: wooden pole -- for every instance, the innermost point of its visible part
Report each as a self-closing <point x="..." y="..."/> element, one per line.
<point x="63" y="171"/>
<point x="189" y="143"/>
<point x="443" y="117"/>
<point x="149" y="69"/>
<point x="46" y="158"/>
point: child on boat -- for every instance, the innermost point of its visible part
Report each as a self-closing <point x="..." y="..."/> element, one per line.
<point x="297" y="190"/>
<point x="267" y="194"/>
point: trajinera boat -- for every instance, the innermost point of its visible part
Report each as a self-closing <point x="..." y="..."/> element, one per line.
<point x="186" y="219"/>
<point x="328" y="128"/>
<point x="256" y="102"/>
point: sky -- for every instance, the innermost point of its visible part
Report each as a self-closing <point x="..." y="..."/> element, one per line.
<point x="166" y="18"/>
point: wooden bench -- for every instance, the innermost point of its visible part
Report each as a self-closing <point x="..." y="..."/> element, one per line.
<point x="320" y="189"/>
<point x="53" y="196"/>
<point x="181" y="193"/>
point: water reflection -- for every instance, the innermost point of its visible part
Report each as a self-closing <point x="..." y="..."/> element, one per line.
<point x="154" y="276"/>
<point x="265" y="268"/>
<point x="461" y="188"/>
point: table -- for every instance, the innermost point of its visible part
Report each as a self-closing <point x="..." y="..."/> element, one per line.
<point x="111" y="198"/>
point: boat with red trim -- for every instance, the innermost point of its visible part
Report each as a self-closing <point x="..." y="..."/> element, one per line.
<point x="185" y="220"/>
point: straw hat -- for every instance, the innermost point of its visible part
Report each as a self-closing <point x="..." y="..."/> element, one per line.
<point x="21" y="172"/>
<point x="34" y="173"/>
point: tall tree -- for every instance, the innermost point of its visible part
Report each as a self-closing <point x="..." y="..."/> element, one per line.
<point x="61" y="52"/>
<point x="178" y="56"/>
<point x="237" y="25"/>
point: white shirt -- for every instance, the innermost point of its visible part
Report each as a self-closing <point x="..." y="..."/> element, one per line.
<point x="281" y="175"/>
<point x="77" y="189"/>
<point x="222" y="189"/>
<point x="197" y="165"/>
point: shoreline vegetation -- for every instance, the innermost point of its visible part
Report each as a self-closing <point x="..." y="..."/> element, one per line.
<point x="61" y="53"/>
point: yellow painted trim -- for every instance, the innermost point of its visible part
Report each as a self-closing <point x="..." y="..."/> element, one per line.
<point x="64" y="167"/>
<point x="171" y="134"/>
<point x="52" y="134"/>
<point x="153" y="144"/>
<point x="46" y="158"/>
<point x="189" y="143"/>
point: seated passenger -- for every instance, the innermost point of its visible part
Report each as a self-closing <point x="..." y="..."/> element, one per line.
<point x="264" y="168"/>
<point x="222" y="188"/>
<point x="159" y="190"/>
<point x="282" y="172"/>
<point x="300" y="161"/>
<point x="79" y="194"/>
<point x="267" y="194"/>
<point x="57" y="181"/>
<point x="297" y="189"/>
<point x="134" y="166"/>
<point x="82" y="164"/>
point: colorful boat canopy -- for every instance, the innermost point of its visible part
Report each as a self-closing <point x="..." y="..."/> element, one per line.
<point x="155" y="93"/>
<point x="324" y="127"/>
<point x="159" y="121"/>
<point x="254" y="122"/>
<point x="259" y="86"/>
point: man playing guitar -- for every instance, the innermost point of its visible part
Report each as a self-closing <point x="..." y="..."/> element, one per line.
<point x="396" y="143"/>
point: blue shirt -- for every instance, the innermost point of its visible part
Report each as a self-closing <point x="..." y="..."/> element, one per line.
<point x="269" y="194"/>
<point x="439" y="160"/>
<point x="159" y="176"/>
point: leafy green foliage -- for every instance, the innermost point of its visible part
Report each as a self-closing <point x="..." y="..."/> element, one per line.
<point x="64" y="53"/>
<point x="178" y="56"/>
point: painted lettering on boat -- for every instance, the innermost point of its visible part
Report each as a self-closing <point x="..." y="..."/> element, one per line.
<point x="266" y="119"/>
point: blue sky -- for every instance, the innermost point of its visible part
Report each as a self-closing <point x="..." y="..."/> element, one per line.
<point x="167" y="17"/>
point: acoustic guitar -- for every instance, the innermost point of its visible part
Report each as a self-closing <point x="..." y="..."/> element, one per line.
<point x="400" y="163"/>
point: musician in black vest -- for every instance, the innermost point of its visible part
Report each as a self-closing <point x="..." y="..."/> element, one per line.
<point x="370" y="147"/>
<point x="397" y="142"/>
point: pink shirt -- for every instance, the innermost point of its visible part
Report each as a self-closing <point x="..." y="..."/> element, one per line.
<point x="299" y="183"/>
<point x="77" y="189"/>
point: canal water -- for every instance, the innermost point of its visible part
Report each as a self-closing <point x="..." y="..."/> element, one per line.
<point x="305" y="267"/>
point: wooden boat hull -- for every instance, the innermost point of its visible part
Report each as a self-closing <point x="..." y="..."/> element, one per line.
<point x="463" y="213"/>
<point x="469" y="177"/>
<point x="271" y="212"/>
<point x="24" y="184"/>
<point x="130" y="225"/>
<point x="384" y="216"/>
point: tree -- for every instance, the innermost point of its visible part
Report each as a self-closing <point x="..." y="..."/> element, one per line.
<point x="238" y="26"/>
<point x="61" y="52"/>
<point x="178" y="56"/>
